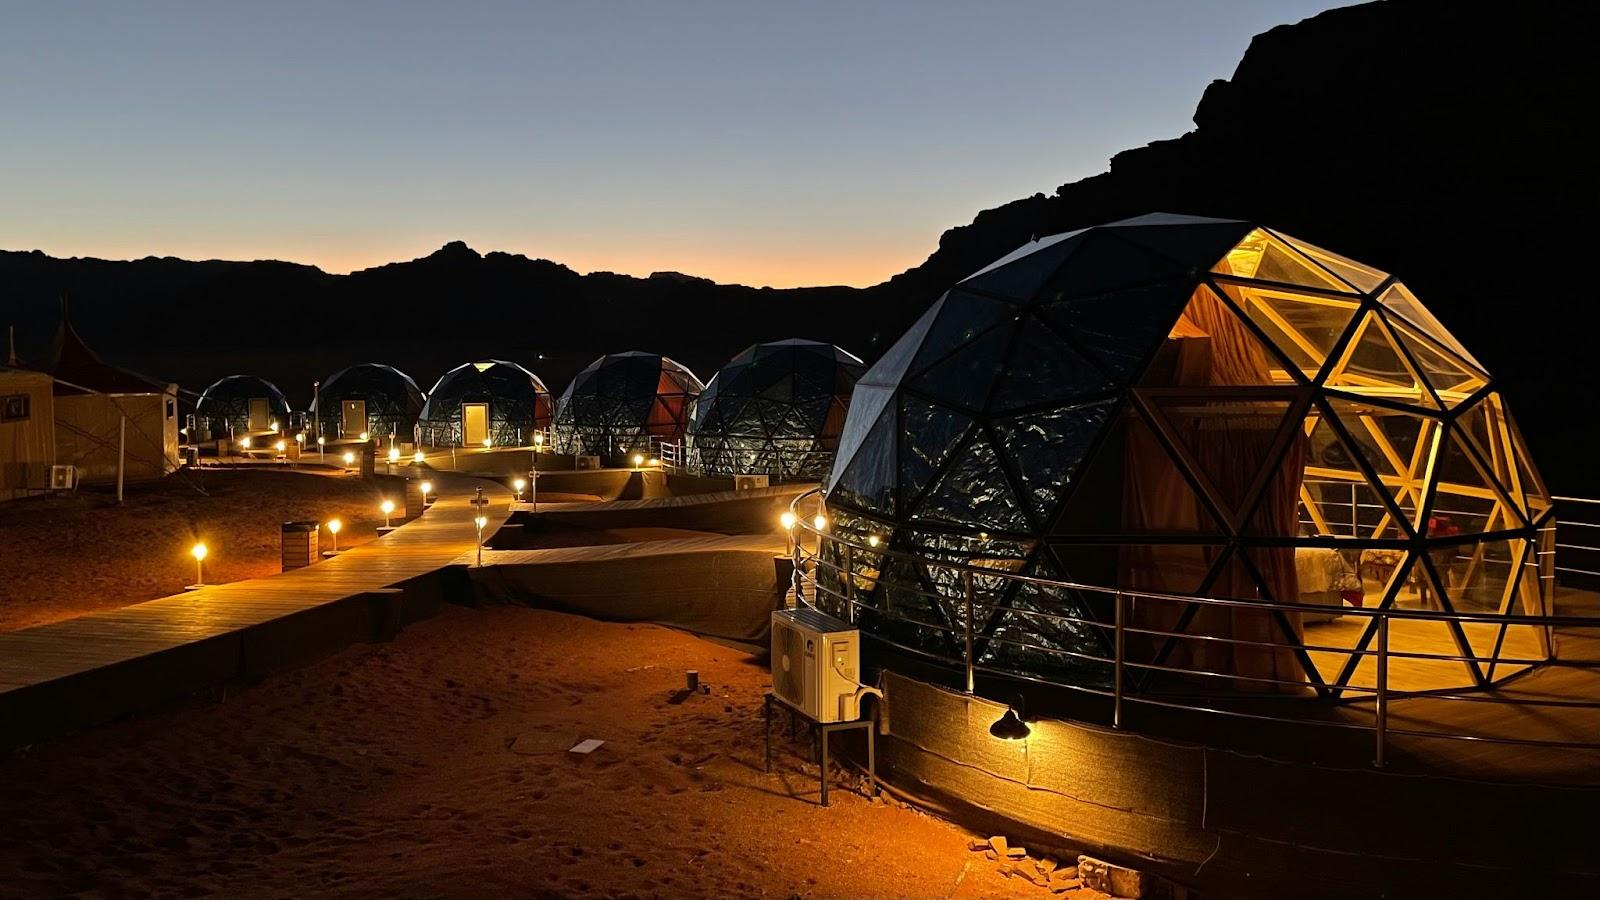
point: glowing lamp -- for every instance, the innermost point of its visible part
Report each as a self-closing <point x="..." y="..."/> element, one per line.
<point x="300" y="437"/>
<point x="487" y="443"/>
<point x="480" y="521"/>
<point x="394" y="454"/>
<point x="872" y="540"/>
<point x="364" y="436"/>
<point x="273" y="427"/>
<point x="787" y="520"/>
<point x="198" y="551"/>
<point x="427" y="488"/>
<point x="419" y="457"/>
<point x="819" y="521"/>
<point x="538" y="439"/>
<point x="349" y="458"/>
<point x="654" y="461"/>
<point x="334" y="525"/>
<point x="1010" y="726"/>
<point x="321" y="440"/>
<point x="387" y="508"/>
<point x="638" y="460"/>
<point x="518" y="486"/>
<point x="244" y="443"/>
<point x="281" y="446"/>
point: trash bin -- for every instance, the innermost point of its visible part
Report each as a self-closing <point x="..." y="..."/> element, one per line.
<point x="299" y="541"/>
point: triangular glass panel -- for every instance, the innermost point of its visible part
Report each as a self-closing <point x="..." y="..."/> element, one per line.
<point x="1196" y="245"/>
<point x="1337" y="496"/>
<point x="963" y="317"/>
<point x="1451" y="380"/>
<point x="1528" y="478"/>
<point x="1045" y="370"/>
<point x="1120" y="330"/>
<point x="929" y="432"/>
<point x="1303" y="328"/>
<point x="1131" y="486"/>
<point x="973" y="491"/>
<point x="866" y="478"/>
<point x="1362" y="277"/>
<point x="1233" y="446"/>
<point x="1027" y="269"/>
<point x="1372" y="365"/>
<point x="867" y="404"/>
<point x="895" y="361"/>
<point x="1106" y="262"/>
<point x="1279" y="667"/>
<point x="1234" y="355"/>
<point x="1466" y="500"/>
<point x="1048" y="448"/>
<point x="1035" y="630"/>
<point x="1398" y="299"/>
<point x="1488" y="429"/>
<point x="1263" y="257"/>
<point x="965" y="377"/>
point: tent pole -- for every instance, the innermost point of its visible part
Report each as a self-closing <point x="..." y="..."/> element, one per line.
<point x="122" y="454"/>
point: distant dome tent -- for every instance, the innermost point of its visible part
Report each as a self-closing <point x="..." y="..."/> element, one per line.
<point x="492" y="400"/>
<point x="775" y="409"/>
<point x="239" y="405"/>
<point x="1174" y="405"/>
<point x="372" y="397"/>
<point x="621" y="401"/>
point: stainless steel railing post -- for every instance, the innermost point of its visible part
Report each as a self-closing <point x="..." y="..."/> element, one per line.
<point x="797" y="561"/>
<point x="966" y="583"/>
<point x="1116" y="671"/>
<point x="1381" y="707"/>
<point x="849" y="585"/>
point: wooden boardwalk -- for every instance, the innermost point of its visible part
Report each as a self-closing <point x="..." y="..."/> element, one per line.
<point x="80" y="671"/>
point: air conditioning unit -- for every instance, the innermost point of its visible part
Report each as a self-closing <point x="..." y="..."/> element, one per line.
<point x="63" y="478"/>
<point x="586" y="462"/>
<point x="816" y="661"/>
<point x="749" y="482"/>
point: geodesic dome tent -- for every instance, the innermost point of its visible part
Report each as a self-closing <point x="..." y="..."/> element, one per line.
<point x="240" y="405"/>
<point x="621" y="401"/>
<point x="1178" y="405"/>
<point x="775" y="409"/>
<point x="372" y="397"/>
<point x="492" y="400"/>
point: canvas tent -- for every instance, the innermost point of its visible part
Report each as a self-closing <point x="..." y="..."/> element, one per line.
<point x="103" y="413"/>
<point x="27" y="432"/>
<point x="492" y="400"/>
<point x="621" y="401"/>
<point x="372" y="397"/>
<point x="240" y="405"/>
<point x="775" y="409"/>
<point x="1206" y="407"/>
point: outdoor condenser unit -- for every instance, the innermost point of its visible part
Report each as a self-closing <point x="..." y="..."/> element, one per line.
<point x="816" y="663"/>
<point x="749" y="482"/>
<point x="63" y="478"/>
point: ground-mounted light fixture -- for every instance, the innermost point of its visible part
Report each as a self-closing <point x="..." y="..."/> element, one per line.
<point x="427" y="488"/>
<point x="387" y="508"/>
<point x="1012" y="726"/>
<point x="244" y="443"/>
<point x="333" y="527"/>
<point x="480" y="521"/>
<point x="198" y="551"/>
<point x="349" y="458"/>
<point x="322" y="447"/>
<point x="488" y="443"/>
<point x="365" y="436"/>
<point x="519" y="485"/>
<point x="638" y="460"/>
<point x="418" y="458"/>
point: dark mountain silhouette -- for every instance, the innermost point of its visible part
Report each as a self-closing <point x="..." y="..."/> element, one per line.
<point x="1450" y="144"/>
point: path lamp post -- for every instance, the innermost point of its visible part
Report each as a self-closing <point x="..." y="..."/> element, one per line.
<point x="333" y="530"/>
<point x="387" y="508"/>
<point x="533" y="473"/>
<point x="322" y="448"/>
<point x="519" y="485"/>
<point x="480" y="521"/>
<point x="198" y="551"/>
<point x="394" y="457"/>
<point x="427" y="488"/>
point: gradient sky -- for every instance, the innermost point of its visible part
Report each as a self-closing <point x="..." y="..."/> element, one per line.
<point x="762" y="143"/>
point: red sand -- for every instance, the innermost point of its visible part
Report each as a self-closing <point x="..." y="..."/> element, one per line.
<point x="438" y="765"/>
<point x="114" y="557"/>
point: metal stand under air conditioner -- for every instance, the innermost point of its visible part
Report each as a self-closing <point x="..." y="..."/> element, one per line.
<point x="822" y="730"/>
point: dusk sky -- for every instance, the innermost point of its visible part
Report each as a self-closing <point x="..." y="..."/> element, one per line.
<point x="762" y="143"/>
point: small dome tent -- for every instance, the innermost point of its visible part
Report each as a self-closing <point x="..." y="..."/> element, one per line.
<point x="1175" y="405"/>
<point x="775" y="409"/>
<point x="621" y="401"/>
<point x="240" y="405"/>
<point x="492" y="400"/>
<point x="378" y="399"/>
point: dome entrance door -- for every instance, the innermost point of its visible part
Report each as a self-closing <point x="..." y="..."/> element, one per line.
<point x="474" y="424"/>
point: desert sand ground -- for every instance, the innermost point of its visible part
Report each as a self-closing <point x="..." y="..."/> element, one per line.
<point x="69" y="554"/>
<point x="438" y="765"/>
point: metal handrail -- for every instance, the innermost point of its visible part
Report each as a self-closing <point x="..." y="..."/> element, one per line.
<point x="810" y="565"/>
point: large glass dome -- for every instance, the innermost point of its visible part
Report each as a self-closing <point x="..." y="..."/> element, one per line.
<point x="776" y="409"/>
<point x="621" y="401"/>
<point x="1194" y="406"/>
<point x="492" y="400"/>
<point x="241" y="404"/>
<point x="372" y="397"/>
